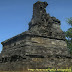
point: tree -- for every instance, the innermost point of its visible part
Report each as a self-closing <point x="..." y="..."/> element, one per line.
<point x="69" y="35"/>
<point x="69" y="21"/>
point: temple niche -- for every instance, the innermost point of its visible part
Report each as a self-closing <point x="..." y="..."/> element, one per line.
<point x="43" y="46"/>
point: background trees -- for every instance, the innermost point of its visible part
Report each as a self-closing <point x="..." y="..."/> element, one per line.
<point x="69" y="35"/>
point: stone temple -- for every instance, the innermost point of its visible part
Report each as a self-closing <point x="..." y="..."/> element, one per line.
<point x="42" y="46"/>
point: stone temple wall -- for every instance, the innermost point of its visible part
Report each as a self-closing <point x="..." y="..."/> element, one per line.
<point x="42" y="46"/>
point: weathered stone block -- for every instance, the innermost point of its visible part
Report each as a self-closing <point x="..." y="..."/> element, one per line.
<point x="42" y="46"/>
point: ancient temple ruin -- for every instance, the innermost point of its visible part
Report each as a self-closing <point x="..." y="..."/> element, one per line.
<point x="42" y="46"/>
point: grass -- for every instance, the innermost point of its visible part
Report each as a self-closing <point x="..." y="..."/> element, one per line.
<point x="33" y="71"/>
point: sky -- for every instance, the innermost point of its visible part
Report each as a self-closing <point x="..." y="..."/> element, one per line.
<point x="16" y="14"/>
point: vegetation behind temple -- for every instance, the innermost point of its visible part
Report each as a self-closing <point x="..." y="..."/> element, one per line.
<point x="69" y="35"/>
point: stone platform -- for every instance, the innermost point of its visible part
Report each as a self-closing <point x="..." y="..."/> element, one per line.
<point x="42" y="46"/>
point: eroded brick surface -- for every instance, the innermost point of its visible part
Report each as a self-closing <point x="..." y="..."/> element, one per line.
<point x="42" y="46"/>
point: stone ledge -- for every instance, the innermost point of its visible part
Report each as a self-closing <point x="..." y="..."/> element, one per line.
<point x="27" y="33"/>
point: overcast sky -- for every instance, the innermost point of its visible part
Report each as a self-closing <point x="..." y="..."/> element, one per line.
<point x="16" y="14"/>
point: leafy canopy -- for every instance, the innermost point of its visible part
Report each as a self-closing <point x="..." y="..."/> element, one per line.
<point x="69" y="21"/>
<point x="69" y="35"/>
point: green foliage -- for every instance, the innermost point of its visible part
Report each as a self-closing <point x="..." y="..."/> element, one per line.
<point x="69" y="35"/>
<point x="69" y="21"/>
